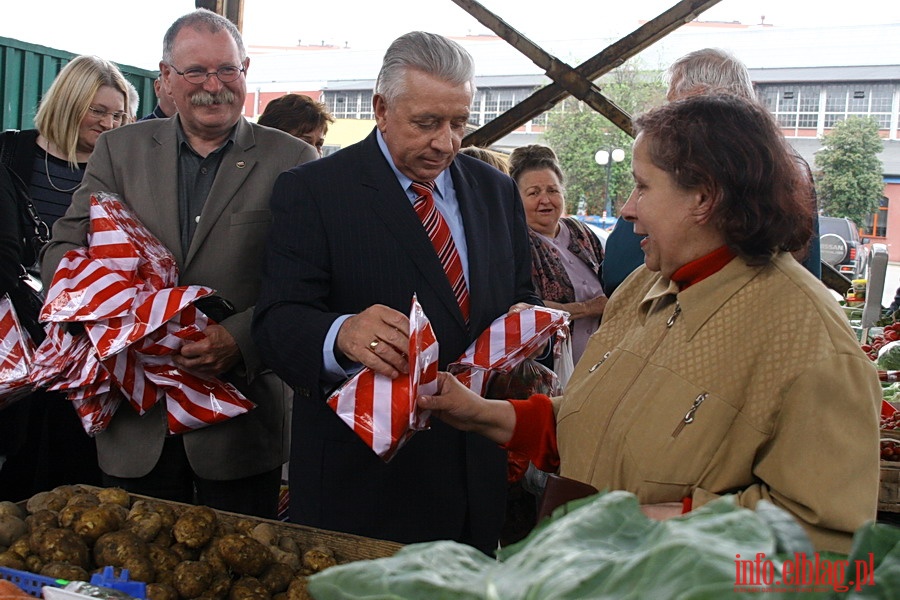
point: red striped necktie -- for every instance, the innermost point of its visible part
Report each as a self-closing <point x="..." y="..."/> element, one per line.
<point x="439" y="233"/>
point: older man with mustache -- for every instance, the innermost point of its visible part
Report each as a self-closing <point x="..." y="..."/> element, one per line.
<point x="201" y="182"/>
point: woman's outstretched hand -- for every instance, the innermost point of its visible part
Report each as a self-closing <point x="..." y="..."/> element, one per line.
<point x="460" y="407"/>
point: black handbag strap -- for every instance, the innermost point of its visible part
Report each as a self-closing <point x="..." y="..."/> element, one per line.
<point x="35" y="233"/>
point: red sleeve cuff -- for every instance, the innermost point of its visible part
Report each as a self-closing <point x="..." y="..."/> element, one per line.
<point x="535" y="433"/>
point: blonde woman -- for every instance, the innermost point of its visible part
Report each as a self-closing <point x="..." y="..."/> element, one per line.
<point x="88" y="97"/>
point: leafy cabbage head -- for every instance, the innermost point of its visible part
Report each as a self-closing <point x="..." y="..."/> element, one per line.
<point x="889" y="356"/>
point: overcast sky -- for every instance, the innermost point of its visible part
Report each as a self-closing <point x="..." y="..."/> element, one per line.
<point x="132" y="34"/>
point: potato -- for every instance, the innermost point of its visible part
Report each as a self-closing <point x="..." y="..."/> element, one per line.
<point x="11" y="529"/>
<point x="51" y="500"/>
<point x="162" y="557"/>
<point x="289" y="544"/>
<point x="140" y="569"/>
<point x="161" y="591"/>
<point x="42" y="519"/>
<point x="60" y="545"/>
<point x="192" y="578"/>
<point x="297" y="589"/>
<point x="69" y="514"/>
<point x="11" y="560"/>
<point x="219" y="588"/>
<point x="115" y="495"/>
<point x="164" y="538"/>
<point x="244" y="555"/>
<point x="12" y="509"/>
<point x="33" y="563"/>
<point x="185" y="552"/>
<point x="318" y="558"/>
<point x="83" y="499"/>
<point x="117" y="547"/>
<point x="244" y="526"/>
<point x="211" y="555"/>
<point x="265" y="534"/>
<point x="276" y="577"/>
<point x="248" y="588"/>
<point x="289" y="559"/>
<point x="195" y="527"/>
<point x="116" y="509"/>
<point x="21" y="547"/>
<point x="145" y="525"/>
<point x="167" y="513"/>
<point x="61" y="570"/>
<point x="96" y="521"/>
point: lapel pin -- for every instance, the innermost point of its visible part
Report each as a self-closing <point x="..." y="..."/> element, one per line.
<point x="241" y="164"/>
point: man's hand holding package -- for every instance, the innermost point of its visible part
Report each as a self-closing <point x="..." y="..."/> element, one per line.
<point x="376" y="338"/>
<point x="216" y="353"/>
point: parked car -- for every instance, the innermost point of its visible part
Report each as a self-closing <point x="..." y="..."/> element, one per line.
<point x="842" y="248"/>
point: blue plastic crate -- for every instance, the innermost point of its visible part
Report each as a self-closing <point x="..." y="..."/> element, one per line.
<point x="30" y="582"/>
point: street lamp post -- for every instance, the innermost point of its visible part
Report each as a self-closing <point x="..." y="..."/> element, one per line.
<point x="606" y="158"/>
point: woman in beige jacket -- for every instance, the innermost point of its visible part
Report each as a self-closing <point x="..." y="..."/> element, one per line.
<point x="722" y="366"/>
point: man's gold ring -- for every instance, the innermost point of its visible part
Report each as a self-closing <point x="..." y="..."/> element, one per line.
<point x="374" y="344"/>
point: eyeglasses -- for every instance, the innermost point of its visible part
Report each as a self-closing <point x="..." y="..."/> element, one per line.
<point x="98" y="114"/>
<point x="199" y="76"/>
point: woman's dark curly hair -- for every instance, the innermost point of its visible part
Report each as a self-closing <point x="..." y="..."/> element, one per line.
<point x="734" y="147"/>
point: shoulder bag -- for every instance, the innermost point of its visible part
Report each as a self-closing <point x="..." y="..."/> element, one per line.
<point x="28" y="297"/>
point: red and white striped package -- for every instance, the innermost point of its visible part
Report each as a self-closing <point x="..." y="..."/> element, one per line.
<point x="16" y="355"/>
<point x="97" y="410"/>
<point x="144" y="374"/>
<point x="507" y="342"/>
<point x="383" y="411"/>
<point x="122" y="289"/>
<point x="117" y="234"/>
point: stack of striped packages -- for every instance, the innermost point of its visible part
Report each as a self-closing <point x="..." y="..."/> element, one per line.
<point x="116" y="318"/>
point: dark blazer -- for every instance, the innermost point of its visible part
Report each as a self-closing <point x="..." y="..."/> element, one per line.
<point x="344" y="237"/>
<point x="139" y="162"/>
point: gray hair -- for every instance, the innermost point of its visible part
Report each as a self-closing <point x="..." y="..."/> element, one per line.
<point x="707" y="70"/>
<point x="201" y="19"/>
<point x="134" y="99"/>
<point x="427" y="52"/>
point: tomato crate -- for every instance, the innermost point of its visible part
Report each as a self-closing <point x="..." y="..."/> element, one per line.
<point x="889" y="487"/>
<point x="30" y="583"/>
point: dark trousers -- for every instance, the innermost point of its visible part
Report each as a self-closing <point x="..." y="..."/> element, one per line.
<point x="173" y="479"/>
<point x="45" y="446"/>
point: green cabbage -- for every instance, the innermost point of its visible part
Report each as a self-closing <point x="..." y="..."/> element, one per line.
<point x="889" y="357"/>
<point x="599" y="547"/>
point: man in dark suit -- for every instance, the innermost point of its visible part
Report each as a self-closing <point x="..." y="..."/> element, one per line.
<point x="201" y="183"/>
<point x="165" y="106"/>
<point x="347" y="251"/>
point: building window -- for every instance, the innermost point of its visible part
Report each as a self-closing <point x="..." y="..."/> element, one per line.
<point x="801" y="107"/>
<point x="354" y="104"/>
<point x="795" y="106"/>
<point x="490" y="103"/>
<point x="876" y="223"/>
<point x="858" y="99"/>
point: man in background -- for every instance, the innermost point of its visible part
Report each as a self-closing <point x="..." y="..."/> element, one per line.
<point x="165" y="106"/>
<point x="699" y="72"/>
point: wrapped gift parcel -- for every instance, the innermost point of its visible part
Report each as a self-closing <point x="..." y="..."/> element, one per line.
<point x="383" y="411"/>
<point x="506" y="343"/>
<point x="116" y="318"/>
<point x="16" y="355"/>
